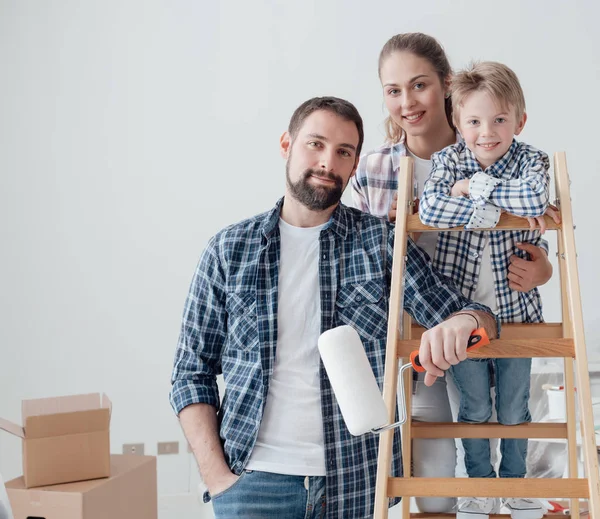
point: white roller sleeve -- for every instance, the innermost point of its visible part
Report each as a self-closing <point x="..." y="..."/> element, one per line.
<point x="352" y="380"/>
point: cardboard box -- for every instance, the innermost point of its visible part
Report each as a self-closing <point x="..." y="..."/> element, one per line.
<point x="65" y="439"/>
<point x="129" y="493"/>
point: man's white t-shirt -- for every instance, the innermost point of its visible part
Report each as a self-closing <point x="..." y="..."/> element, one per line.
<point x="485" y="293"/>
<point x="290" y="438"/>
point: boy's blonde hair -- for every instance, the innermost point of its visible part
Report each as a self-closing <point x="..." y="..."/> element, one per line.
<point x="499" y="81"/>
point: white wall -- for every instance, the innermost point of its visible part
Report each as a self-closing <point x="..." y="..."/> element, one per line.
<point x="130" y="132"/>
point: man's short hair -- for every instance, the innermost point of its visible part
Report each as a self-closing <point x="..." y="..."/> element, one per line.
<point x="341" y="107"/>
<point x="499" y="81"/>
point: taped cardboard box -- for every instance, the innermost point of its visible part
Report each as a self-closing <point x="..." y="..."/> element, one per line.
<point x="65" y="439"/>
<point x="129" y="493"/>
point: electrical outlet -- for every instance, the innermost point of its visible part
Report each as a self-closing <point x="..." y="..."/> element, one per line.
<point x="167" y="448"/>
<point x="133" y="448"/>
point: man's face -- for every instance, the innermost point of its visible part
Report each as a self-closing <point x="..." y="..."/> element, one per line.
<point x="320" y="160"/>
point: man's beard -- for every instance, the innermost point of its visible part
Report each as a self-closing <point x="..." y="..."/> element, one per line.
<point x="315" y="198"/>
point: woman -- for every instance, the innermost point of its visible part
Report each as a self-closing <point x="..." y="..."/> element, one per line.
<point x="415" y="74"/>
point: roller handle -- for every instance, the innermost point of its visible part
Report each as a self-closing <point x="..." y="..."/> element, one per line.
<point x="477" y="339"/>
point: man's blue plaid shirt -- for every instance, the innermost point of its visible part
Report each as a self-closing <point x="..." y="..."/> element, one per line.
<point x="230" y="327"/>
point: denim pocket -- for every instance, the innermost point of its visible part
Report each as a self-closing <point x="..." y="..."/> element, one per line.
<point x="228" y="489"/>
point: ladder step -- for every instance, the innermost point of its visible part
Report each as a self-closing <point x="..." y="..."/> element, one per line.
<point x="434" y="430"/>
<point x="488" y="487"/>
<point x="506" y="348"/>
<point x="515" y="331"/>
<point x="492" y="516"/>
<point x="507" y="222"/>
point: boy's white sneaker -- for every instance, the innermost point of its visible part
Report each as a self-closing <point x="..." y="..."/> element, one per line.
<point x="521" y="508"/>
<point x="477" y="507"/>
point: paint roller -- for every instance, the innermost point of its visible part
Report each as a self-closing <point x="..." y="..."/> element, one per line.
<point x="354" y="384"/>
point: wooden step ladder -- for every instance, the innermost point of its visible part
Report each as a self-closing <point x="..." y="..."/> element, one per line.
<point x="564" y="339"/>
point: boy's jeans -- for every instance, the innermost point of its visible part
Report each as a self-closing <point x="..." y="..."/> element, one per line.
<point x="264" y="495"/>
<point x="513" y="378"/>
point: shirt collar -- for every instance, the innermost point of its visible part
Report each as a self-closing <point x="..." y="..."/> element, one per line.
<point x="496" y="169"/>
<point x="338" y="222"/>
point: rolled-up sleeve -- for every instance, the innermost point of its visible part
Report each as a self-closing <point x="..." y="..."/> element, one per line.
<point x="203" y="334"/>
<point x="525" y="196"/>
<point x="437" y="207"/>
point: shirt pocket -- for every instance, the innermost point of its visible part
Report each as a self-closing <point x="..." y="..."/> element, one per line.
<point x="242" y="328"/>
<point x="363" y="306"/>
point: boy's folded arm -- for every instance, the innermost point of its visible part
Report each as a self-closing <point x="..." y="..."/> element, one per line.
<point x="436" y="207"/>
<point x="526" y="196"/>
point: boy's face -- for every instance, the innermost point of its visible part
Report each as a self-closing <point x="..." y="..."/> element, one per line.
<point x="487" y="127"/>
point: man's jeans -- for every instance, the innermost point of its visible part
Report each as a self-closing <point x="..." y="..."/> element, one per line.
<point x="472" y="378"/>
<point x="264" y="495"/>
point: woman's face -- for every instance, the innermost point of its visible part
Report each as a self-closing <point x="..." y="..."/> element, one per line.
<point x="413" y="93"/>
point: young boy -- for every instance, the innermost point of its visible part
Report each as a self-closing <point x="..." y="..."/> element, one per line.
<point x="471" y="183"/>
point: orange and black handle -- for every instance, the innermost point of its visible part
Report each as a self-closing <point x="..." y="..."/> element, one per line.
<point x="477" y="339"/>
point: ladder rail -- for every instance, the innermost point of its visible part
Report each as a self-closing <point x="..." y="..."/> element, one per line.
<point x="407" y="426"/>
<point x="390" y="380"/>
<point x="576" y="319"/>
<point x="569" y="380"/>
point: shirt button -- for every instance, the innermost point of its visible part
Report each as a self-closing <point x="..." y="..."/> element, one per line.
<point x="324" y="256"/>
<point x="475" y="255"/>
<point x="358" y="298"/>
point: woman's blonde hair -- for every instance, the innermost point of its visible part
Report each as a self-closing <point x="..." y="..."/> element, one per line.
<point x="425" y="47"/>
<point x="499" y="81"/>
